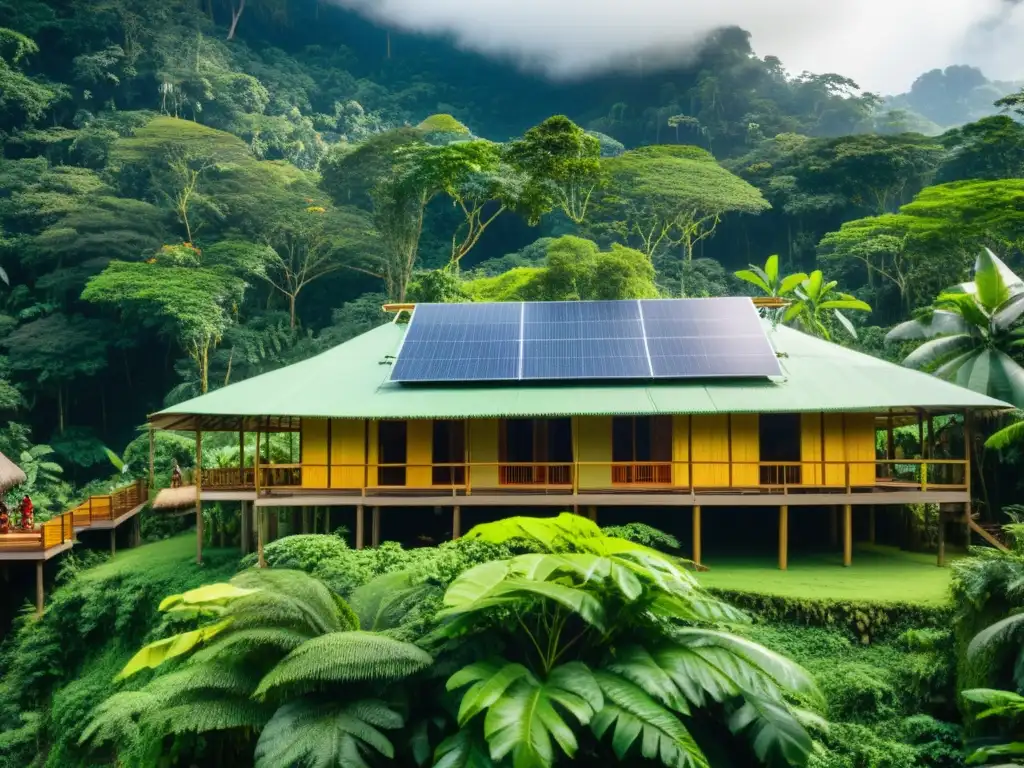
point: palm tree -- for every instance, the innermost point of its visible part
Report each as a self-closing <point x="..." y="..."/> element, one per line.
<point x="971" y="334"/>
<point x="276" y="652"/>
<point x="817" y="303"/>
<point x="599" y="633"/>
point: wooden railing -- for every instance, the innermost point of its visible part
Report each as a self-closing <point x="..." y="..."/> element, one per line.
<point x="587" y="476"/>
<point x="61" y="528"/>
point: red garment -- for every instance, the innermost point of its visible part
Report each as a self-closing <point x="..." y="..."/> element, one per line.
<point x="27" y="514"/>
<point x="5" y="522"/>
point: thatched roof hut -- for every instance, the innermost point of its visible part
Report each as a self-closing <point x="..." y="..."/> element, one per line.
<point x="10" y="474"/>
<point x="175" y="498"/>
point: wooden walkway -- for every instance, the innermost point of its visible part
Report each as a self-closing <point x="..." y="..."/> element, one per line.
<point x="56" y="535"/>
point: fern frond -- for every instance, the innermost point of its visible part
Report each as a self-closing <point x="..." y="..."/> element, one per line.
<point x="242" y="642"/>
<point x="319" y="734"/>
<point x="385" y="602"/>
<point x="116" y="719"/>
<point x="287" y="598"/>
<point x="203" y="716"/>
<point x="343" y="657"/>
<point x="209" y="678"/>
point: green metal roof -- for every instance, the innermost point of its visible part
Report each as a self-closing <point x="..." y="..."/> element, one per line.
<point x="352" y="381"/>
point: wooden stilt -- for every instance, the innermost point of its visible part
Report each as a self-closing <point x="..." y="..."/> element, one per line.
<point x="39" y="587"/>
<point x="592" y="514"/>
<point x="456" y="522"/>
<point x="244" y="535"/>
<point x="261" y="523"/>
<point x="847" y="535"/>
<point x="871" y="524"/>
<point x="696" y="535"/>
<point x="783" y="538"/>
<point x="199" y="497"/>
<point x="152" y="454"/>
<point x="113" y="542"/>
<point x="941" y="557"/>
<point x="375" y="533"/>
<point x="305" y="520"/>
<point x="360" y="526"/>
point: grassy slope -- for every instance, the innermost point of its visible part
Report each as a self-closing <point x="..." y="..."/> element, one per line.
<point x="878" y="574"/>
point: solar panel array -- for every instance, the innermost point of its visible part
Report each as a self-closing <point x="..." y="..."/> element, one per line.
<point x="641" y="339"/>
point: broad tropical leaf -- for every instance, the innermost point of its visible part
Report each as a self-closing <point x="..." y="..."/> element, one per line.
<point x="343" y="657"/>
<point x="635" y="717"/>
<point x="937" y="323"/>
<point x="997" y="634"/>
<point x="211" y="594"/>
<point x="997" y="703"/>
<point x="524" y="721"/>
<point x="326" y="734"/>
<point x="156" y="653"/>
<point x="775" y="729"/>
<point x="463" y="750"/>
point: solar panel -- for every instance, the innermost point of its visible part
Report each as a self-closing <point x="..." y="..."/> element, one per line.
<point x="706" y="338"/>
<point x="461" y="342"/>
<point x="645" y="339"/>
<point x="584" y="340"/>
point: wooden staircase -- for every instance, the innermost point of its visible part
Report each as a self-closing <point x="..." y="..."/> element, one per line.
<point x="992" y="533"/>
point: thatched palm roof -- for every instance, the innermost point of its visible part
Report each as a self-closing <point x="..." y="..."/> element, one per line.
<point x="10" y="474"/>
<point x="175" y="498"/>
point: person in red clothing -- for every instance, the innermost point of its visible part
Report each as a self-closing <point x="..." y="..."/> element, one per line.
<point x="27" y="514"/>
<point x="5" y="519"/>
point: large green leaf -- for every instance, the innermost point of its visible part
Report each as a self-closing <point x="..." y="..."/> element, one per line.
<point x="476" y="583"/>
<point x="845" y="304"/>
<point x="938" y="351"/>
<point x="636" y="716"/>
<point x="1004" y="318"/>
<point x="938" y="323"/>
<point x="490" y="681"/>
<point x="775" y="729"/>
<point x="967" y="306"/>
<point x="990" y="287"/>
<point x="1003" y="631"/>
<point x="790" y="282"/>
<point x="343" y="657"/>
<point x="463" y="750"/>
<point x="635" y="664"/>
<point x="326" y="734"/>
<point x="524" y="720"/>
<point x="754" y="279"/>
<point x="519" y="590"/>
<point x="211" y="594"/>
<point x="995" y="374"/>
<point x="771" y="269"/>
<point x="156" y="653"/>
<point x="998" y="703"/>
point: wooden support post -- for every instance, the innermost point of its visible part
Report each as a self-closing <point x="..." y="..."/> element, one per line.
<point x="305" y="520"/>
<point x="696" y="535"/>
<point x="256" y="466"/>
<point x="847" y="535"/>
<point x="941" y="556"/>
<point x="243" y="536"/>
<point x="39" y="587"/>
<point x="456" y="522"/>
<point x="833" y="527"/>
<point x="375" y="532"/>
<point x="113" y="542"/>
<point x="783" y="538"/>
<point x="360" y="526"/>
<point x="241" y="458"/>
<point x="592" y="513"/>
<point x="199" y="497"/>
<point x="152" y="454"/>
<point x="871" y="524"/>
<point x="261" y="535"/>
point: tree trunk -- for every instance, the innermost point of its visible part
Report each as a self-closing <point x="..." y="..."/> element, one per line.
<point x="291" y="309"/>
<point x="236" y="14"/>
<point x="60" y="409"/>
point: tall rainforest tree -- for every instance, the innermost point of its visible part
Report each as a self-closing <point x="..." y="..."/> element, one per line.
<point x="672" y="196"/>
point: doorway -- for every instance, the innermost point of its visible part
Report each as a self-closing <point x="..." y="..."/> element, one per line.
<point x="449" y="448"/>
<point x="392" y="447"/>
<point x="642" y="450"/>
<point x="536" y="452"/>
<point x="779" y="441"/>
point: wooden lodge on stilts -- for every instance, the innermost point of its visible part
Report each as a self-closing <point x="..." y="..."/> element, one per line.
<point x="691" y="404"/>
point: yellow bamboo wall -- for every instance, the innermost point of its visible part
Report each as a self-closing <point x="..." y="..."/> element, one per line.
<point x="746" y="447"/>
<point x="709" y="440"/>
<point x="860" y="446"/>
<point x="680" y="451"/>
<point x="348" y="453"/>
<point x="483" y="449"/>
<point x="835" y="450"/>
<point x="313" y="446"/>
<point x="594" y="440"/>
<point x="419" y="453"/>
<point x="810" y="449"/>
<point x="372" y="454"/>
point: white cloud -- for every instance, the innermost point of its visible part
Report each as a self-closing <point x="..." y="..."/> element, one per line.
<point x="883" y="44"/>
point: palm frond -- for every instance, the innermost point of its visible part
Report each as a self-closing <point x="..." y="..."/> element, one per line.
<point x="997" y="634"/>
<point x="775" y="730"/>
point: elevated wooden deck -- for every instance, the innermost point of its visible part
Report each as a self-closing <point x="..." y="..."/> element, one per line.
<point x="104" y="512"/>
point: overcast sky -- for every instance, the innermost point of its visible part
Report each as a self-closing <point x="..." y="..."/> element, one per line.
<point x="882" y="44"/>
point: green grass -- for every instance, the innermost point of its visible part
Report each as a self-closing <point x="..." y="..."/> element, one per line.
<point x="176" y="552"/>
<point x="878" y="574"/>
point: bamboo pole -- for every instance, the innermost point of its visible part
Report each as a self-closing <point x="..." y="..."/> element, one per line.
<point x="696" y="535"/>
<point x="783" y="538"/>
<point x="39" y="588"/>
<point x="456" y="522"/>
<point x="199" y="497"/>
<point x="375" y="532"/>
<point x="261" y="535"/>
<point x="592" y="514"/>
<point x="113" y="542"/>
<point x="847" y="535"/>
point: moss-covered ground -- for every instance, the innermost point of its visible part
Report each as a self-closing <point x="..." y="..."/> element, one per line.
<point x="878" y="574"/>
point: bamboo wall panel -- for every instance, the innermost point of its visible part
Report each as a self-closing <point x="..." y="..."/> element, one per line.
<point x="348" y="452"/>
<point x="835" y="450"/>
<point x="372" y="454"/>
<point x="746" y="447"/>
<point x="680" y="451"/>
<point x="594" y="440"/>
<point x="419" y="453"/>
<point x="483" y="449"/>
<point x="710" y="443"/>
<point x="313" y="446"/>
<point x="810" y="449"/>
<point x="860" y="446"/>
